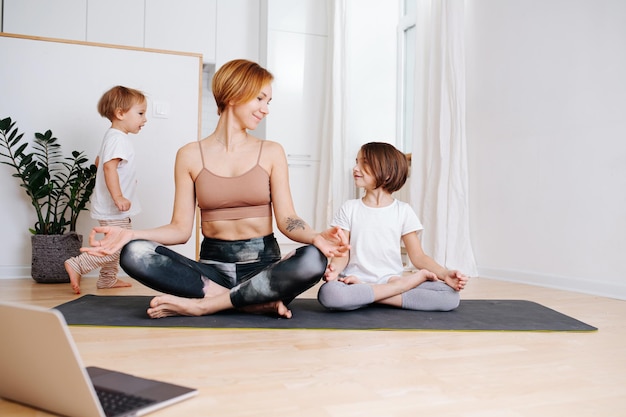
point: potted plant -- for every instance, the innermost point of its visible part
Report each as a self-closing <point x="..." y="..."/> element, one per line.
<point x="59" y="189"/>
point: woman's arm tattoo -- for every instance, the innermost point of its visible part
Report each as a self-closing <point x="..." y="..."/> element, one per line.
<point x="293" y="224"/>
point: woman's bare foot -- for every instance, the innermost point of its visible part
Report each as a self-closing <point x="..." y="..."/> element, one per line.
<point x="74" y="277"/>
<point x="273" y="307"/>
<point x="117" y="284"/>
<point x="170" y="305"/>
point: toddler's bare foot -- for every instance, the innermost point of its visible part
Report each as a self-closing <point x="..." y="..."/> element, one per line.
<point x="74" y="277"/>
<point x="117" y="284"/>
<point x="277" y="307"/>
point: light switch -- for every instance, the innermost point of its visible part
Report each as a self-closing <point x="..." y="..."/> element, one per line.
<point x="161" y="109"/>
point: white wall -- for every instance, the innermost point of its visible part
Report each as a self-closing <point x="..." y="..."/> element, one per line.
<point x="546" y="127"/>
<point x="296" y="54"/>
<point x="238" y="27"/>
<point x="182" y="25"/>
<point x="371" y="64"/>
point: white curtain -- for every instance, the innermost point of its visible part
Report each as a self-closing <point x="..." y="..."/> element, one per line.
<point x="439" y="185"/>
<point x="439" y="188"/>
<point x="333" y="188"/>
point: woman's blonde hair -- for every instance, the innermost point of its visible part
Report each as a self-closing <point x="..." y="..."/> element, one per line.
<point x="238" y="81"/>
<point x="119" y="98"/>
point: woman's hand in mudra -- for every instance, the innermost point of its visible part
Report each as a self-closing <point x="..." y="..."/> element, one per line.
<point x="332" y="242"/>
<point x="114" y="240"/>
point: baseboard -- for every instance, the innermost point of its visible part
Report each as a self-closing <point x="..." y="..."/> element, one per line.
<point x="585" y="286"/>
<point x="13" y="272"/>
<point x="18" y="272"/>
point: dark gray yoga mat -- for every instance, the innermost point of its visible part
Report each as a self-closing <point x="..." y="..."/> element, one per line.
<point x="485" y="315"/>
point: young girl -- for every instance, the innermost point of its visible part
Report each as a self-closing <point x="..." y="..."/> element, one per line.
<point x="114" y="200"/>
<point x="375" y="226"/>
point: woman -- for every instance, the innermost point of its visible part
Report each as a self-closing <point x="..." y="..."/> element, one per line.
<point x="237" y="180"/>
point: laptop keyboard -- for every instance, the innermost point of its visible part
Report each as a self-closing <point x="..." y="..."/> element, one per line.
<point x="118" y="403"/>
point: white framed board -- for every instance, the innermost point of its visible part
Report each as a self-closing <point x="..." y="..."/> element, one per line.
<point x="55" y="84"/>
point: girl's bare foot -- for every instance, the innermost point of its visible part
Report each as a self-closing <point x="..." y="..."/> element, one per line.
<point x="74" y="277"/>
<point x="117" y="284"/>
<point x="413" y="280"/>
<point x="277" y="307"/>
<point x="410" y="281"/>
<point x="350" y="279"/>
<point x="456" y="282"/>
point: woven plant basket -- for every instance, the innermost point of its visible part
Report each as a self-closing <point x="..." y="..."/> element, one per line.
<point x="49" y="255"/>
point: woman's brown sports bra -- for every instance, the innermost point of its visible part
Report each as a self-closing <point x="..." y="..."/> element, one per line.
<point x="232" y="198"/>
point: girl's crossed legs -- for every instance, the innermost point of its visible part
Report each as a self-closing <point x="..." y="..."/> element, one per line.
<point x="411" y="292"/>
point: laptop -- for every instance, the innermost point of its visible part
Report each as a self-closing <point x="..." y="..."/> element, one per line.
<point x="40" y="367"/>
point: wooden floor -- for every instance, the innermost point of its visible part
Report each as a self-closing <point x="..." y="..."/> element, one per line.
<point x="319" y="373"/>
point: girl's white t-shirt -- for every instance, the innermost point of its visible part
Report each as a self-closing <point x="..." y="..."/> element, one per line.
<point x="375" y="238"/>
<point x="116" y="144"/>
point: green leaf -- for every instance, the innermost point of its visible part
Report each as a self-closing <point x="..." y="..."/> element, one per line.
<point x="5" y="124"/>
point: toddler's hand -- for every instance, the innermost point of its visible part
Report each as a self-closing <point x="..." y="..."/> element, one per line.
<point x="122" y="203"/>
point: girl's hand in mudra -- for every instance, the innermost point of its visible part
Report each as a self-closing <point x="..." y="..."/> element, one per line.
<point x="114" y="240"/>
